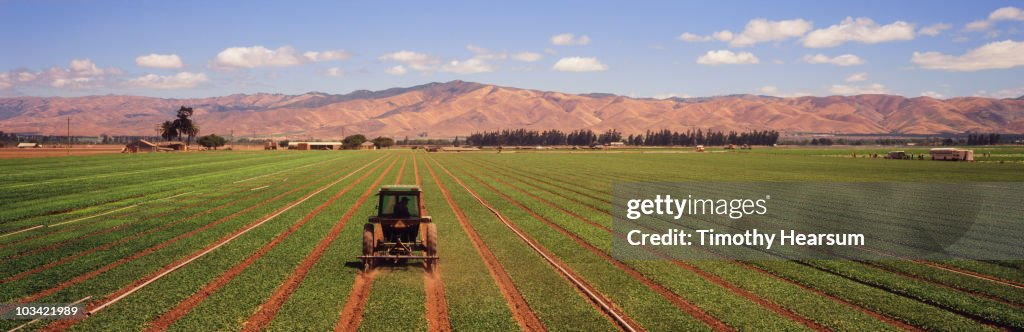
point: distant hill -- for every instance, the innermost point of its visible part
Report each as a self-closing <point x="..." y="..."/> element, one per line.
<point x="460" y="108"/>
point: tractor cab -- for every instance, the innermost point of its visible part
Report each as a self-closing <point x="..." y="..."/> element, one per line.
<point x="399" y="231"/>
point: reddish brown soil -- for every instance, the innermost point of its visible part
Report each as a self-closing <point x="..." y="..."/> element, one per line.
<point x="521" y="311"/>
<point x="167" y="318"/>
<point x="889" y="320"/>
<point x="61" y="325"/>
<point x="678" y="301"/>
<point x="147" y="251"/>
<point x="8" y="153"/>
<point x="352" y="314"/>
<point x="268" y="310"/>
<point x="437" y="303"/>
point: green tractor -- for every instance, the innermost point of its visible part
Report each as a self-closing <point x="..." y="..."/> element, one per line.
<point x="399" y="231"/>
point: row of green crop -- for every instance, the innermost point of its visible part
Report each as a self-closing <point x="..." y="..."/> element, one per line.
<point x="128" y="191"/>
<point x="230" y="305"/>
<point x="241" y="212"/>
<point x="613" y="174"/>
<point x="136" y="216"/>
<point x="555" y="302"/>
<point x="59" y="197"/>
<point x="475" y="302"/>
<point x="965" y="303"/>
<point x="823" y="311"/>
<point x="23" y="170"/>
<point x="578" y="181"/>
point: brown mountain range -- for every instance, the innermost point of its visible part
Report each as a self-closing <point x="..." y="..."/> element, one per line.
<point x="460" y="108"/>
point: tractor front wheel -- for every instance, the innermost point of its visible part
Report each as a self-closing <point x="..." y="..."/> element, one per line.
<point x="431" y="241"/>
<point x="368" y="246"/>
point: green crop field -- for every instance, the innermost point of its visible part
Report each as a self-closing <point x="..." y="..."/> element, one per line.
<point x="235" y="240"/>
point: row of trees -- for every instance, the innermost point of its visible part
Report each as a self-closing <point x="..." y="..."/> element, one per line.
<point x="547" y="137"/>
<point x="663" y="137"/>
<point x="982" y="139"/>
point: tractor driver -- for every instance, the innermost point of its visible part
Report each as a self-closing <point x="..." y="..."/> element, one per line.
<point x="402" y="208"/>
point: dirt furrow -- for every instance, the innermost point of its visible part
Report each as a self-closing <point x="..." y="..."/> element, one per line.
<point x="525" y="316"/>
<point x="889" y="320"/>
<point x="606" y="306"/>
<point x="437" y="303"/>
<point x="142" y="282"/>
<point x="168" y="318"/>
<point x="268" y="310"/>
<point x="675" y="299"/>
<point x="352" y="314"/>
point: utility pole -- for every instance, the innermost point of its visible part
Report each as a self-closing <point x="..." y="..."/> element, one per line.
<point x="232" y="138"/>
<point x="69" y="135"/>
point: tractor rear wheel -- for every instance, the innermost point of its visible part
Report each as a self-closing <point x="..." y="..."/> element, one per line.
<point x="431" y="242"/>
<point x="368" y="246"/>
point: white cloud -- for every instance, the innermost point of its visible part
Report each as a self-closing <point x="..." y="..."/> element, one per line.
<point x="80" y="74"/>
<point x="671" y="95"/>
<point x="579" y="64"/>
<point x="693" y="38"/>
<point x="978" y="25"/>
<point x="995" y="55"/>
<point x="1002" y="14"/>
<point x="771" y="90"/>
<point x="526" y="56"/>
<point x="182" y="80"/>
<point x="330" y="55"/>
<point x="284" y="56"/>
<point x="874" y="88"/>
<point x="722" y="36"/>
<point x="164" y="61"/>
<point x="761" y="30"/>
<point x="414" y="60"/>
<point x="569" y="39"/>
<point x="5" y="81"/>
<point x="486" y="54"/>
<point x="85" y="67"/>
<point x="75" y="83"/>
<point x="335" y="72"/>
<point x="1004" y="93"/>
<point x="396" y="70"/>
<point x="727" y="57"/>
<point x="932" y="94"/>
<point x="257" y="56"/>
<point x="468" y="66"/>
<point x="857" y="77"/>
<point x="844" y="60"/>
<point x="934" y="29"/>
<point x="861" y="30"/>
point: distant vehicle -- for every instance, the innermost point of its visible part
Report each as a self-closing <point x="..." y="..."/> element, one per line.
<point x="896" y="155"/>
<point x="405" y="233"/>
<point x="269" y="145"/>
<point x="700" y="148"/>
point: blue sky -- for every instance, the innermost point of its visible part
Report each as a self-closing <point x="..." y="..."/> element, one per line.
<point x="784" y="48"/>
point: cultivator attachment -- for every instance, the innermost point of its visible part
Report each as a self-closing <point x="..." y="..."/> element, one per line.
<point x="399" y="232"/>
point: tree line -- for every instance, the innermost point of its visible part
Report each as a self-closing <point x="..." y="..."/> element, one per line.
<point x="586" y="137"/>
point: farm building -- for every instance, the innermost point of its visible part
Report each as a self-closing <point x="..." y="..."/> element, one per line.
<point x="28" y="145"/>
<point x="314" y="146"/>
<point x="952" y="154"/>
<point x="367" y="146"/>
<point x="140" y="146"/>
<point x="173" y="146"/>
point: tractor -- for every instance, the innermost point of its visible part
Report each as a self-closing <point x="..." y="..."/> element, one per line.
<point x="399" y="231"/>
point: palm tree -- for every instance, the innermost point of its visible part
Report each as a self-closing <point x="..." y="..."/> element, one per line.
<point x="167" y="130"/>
